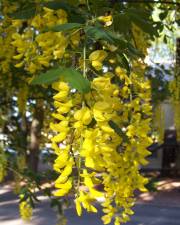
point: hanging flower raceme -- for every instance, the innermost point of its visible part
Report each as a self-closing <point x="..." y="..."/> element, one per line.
<point x="36" y="49"/>
<point x="100" y="140"/>
<point x="25" y="210"/>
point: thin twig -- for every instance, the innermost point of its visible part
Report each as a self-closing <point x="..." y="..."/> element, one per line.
<point x="151" y="1"/>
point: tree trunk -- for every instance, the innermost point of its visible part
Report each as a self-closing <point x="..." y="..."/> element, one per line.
<point x="35" y="136"/>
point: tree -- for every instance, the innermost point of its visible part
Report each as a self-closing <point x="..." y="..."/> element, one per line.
<point x="88" y="57"/>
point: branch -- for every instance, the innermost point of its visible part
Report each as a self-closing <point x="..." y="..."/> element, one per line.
<point x="151" y="1"/>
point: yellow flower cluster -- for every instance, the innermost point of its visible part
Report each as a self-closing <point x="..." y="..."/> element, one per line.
<point x="7" y="29"/>
<point x="49" y="18"/>
<point x="103" y="135"/>
<point x="25" y="210"/>
<point x="6" y="52"/>
<point x="36" y="50"/>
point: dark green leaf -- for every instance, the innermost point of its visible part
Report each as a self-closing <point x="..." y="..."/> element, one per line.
<point x="47" y="191"/>
<point x="100" y="7"/>
<point x="64" y="27"/>
<point x="48" y="77"/>
<point x="74" y="15"/>
<point x="118" y="130"/>
<point x="74" y="2"/>
<point x="76" y="80"/>
<point x="31" y="202"/>
<point x="141" y="12"/>
<point x="34" y="197"/>
<point x="163" y="15"/>
<point x="57" y="5"/>
<point x="123" y="60"/>
<point x="76" y="18"/>
<point x="142" y="21"/>
<point x="134" y="52"/>
<point x="121" y="23"/>
<point x="98" y="33"/>
<point x="165" y="39"/>
<point x="72" y="76"/>
<point x="24" y="14"/>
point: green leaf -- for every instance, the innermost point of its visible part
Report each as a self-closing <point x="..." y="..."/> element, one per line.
<point x="118" y="130"/>
<point x="58" y="5"/>
<point x="98" y="33"/>
<point x="74" y="14"/>
<point x="76" y="80"/>
<point x="163" y="15"/>
<point x="70" y="75"/>
<point x="76" y="18"/>
<point x="141" y="12"/>
<point x="65" y="27"/>
<point x="134" y="52"/>
<point x="121" y="23"/>
<point x="24" y="14"/>
<point x="141" y="19"/>
<point x="48" y="77"/>
<point x="123" y="60"/>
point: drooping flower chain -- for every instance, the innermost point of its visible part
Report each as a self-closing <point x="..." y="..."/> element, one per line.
<point x="92" y="153"/>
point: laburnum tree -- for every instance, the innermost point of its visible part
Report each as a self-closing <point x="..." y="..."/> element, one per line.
<point x="72" y="73"/>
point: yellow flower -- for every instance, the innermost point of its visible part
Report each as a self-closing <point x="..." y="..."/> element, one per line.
<point x="108" y="20"/>
<point x="60" y="86"/>
<point x="59" y="137"/>
<point x="78" y="207"/>
<point x="62" y="159"/>
<point x="18" y="65"/>
<point x="19" y="56"/>
<point x="98" y="55"/>
<point x="86" y="201"/>
<point x="96" y="58"/>
<point x="63" y="107"/>
<point x="64" y="188"/>
<point x="102" y="111"/>
<point x="105" y="18"/>
<point x="83" y="115"/>
<point x="75" y="39"/>
<point x="37" y="22"/>
<point x="97" y="64"/>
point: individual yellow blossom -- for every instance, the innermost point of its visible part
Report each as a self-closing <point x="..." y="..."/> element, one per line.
<point x="107" y="20"/>
<point x="97" y="57"/>
<point x="75" y="39"/>
<point x="63" y="188"/>
<point x="84" y="115"/>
